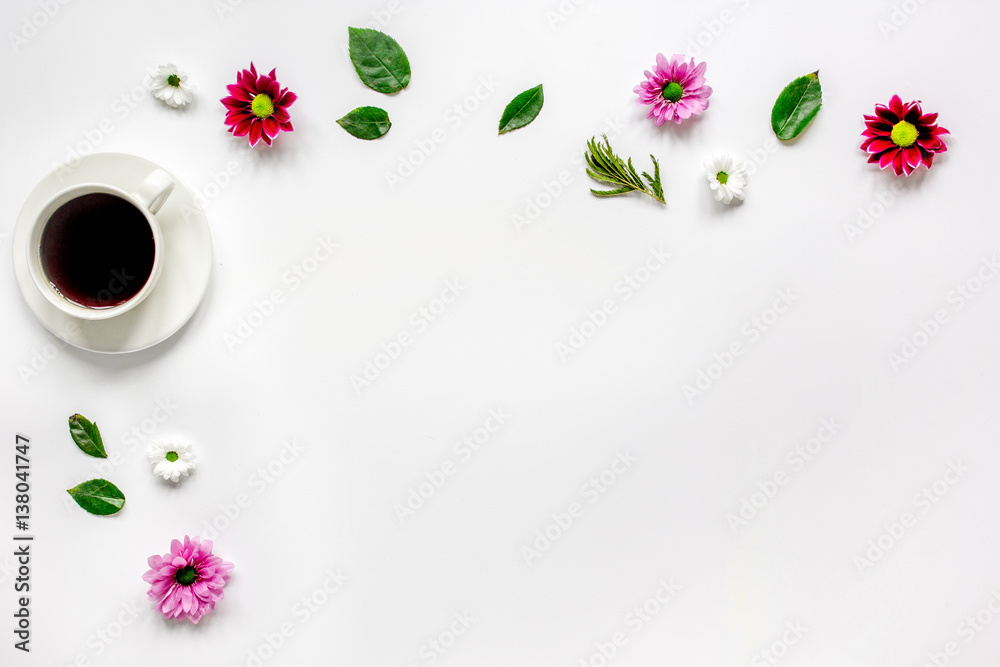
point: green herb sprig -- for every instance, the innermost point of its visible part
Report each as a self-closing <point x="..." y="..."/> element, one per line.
<point x="605" y="166"/>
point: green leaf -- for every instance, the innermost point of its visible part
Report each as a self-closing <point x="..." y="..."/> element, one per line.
<point x="603" y="165"/>
<point x="796" y="106"/>
<point x="379" y="60"/>
<point x="366" y="122"/>
<point x="522" y="109"/>
<point x="86" y="436"/>
<point x="98" y="496"/>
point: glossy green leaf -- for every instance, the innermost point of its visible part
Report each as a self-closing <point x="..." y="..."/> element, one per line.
<point x="98" y="496"/>
<point x="797" y="105"/>
<point x="86" y="436"/>
<point x="366" y="122"/>
<point x="522" y="109"/>
<point x="379" y="60"/>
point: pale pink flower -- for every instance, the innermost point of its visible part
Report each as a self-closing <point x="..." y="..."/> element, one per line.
<point x="675" y="89"/>
<point x="187" y="582"/>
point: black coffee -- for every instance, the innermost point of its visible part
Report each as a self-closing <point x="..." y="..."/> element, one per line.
<point x="97" y="250"/>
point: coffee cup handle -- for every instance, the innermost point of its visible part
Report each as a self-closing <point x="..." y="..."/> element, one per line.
<point x="154" y="190"/>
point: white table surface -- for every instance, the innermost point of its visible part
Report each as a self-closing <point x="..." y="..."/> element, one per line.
<point x="453" y="584"/>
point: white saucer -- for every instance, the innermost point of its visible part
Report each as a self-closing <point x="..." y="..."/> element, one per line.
<point x="186" y="269"/>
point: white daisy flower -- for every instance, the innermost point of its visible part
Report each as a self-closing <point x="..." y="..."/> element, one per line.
<point x="170" y="84"/>
<point x="727" y="177"/>
<point x="171" y="458"/>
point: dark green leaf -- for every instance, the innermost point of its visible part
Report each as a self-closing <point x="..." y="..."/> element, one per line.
<point x="86" y="436"/>
<point x="796" y="106"/>
<point x="366" y="122"/>
<point x="98" y="496"/>
<point x="379" y="60"/>
<point x="522" y="109"/>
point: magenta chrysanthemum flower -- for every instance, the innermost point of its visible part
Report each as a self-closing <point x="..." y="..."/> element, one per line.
<point x="258" y="106"/>
<point x="675" y="89"/>
<point x="187" y="582"/>
<point x="903" y="136"/>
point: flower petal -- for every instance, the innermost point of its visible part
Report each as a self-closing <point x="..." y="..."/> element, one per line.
<point x="896" y="106"/>
<point x="239" y="92"/>
<point x="271" y="127"/>
<point x="886" y="114"/>
<point x="885" y="159"/>
<point x="899" y="164"/>
<point x="256" y="130"/>
<point x="243" y="127"/>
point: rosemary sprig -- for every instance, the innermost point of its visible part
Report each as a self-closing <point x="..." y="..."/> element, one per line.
<point x="604" y="165"/>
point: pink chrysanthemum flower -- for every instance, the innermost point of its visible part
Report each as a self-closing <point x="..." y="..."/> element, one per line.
<point x="258" y="106"/>
<point x="187" y="582"/>
<point x="903" y="136"/>
<point x="675" y="89"/>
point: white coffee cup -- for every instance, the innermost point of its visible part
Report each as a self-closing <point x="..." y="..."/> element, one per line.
<point x="85" y="233"/>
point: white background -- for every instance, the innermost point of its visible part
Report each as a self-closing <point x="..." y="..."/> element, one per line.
<point x="495" y="348"/>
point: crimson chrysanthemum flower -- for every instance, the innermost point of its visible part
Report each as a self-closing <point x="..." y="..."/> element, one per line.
<point x="258" y="106"/>
<point x="903" y="136"/>
<point x="187" y="582"/>
<point x="675" y="89"/>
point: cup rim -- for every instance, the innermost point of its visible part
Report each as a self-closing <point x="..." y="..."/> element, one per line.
<point x="37" y="271"/>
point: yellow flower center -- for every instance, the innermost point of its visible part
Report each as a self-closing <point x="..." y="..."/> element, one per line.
<point x="722" y="177"/>
<point x="904" y="134"/>
<point x="262" y="106"/>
